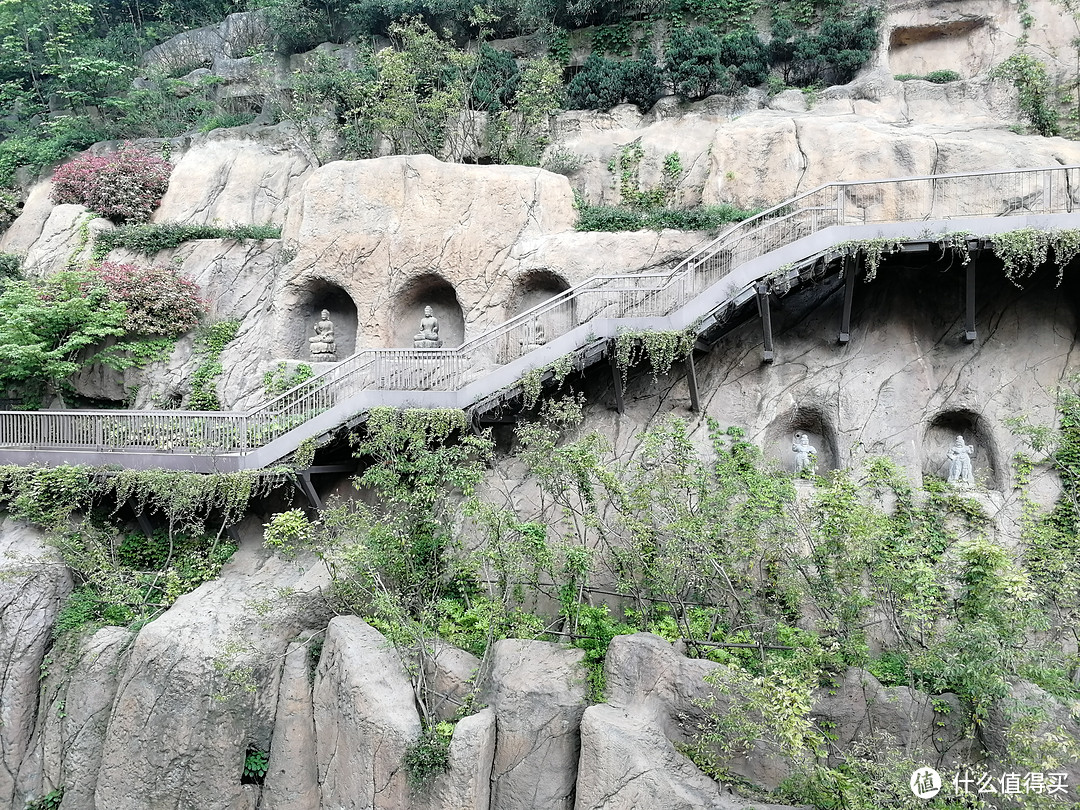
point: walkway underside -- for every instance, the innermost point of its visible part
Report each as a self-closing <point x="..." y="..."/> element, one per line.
<point x="771" y="252"/>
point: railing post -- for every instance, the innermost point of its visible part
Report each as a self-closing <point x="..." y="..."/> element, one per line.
<point x="841" y="200"/>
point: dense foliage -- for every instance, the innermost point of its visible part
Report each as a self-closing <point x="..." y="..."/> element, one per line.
<point x="76" y="62"/>
<point x="714" y="547"/>
<point x="157" y="300"/>
<point x="125" y="186"/>
<point x="125" y="577"/>
<point x="117" y="314"/>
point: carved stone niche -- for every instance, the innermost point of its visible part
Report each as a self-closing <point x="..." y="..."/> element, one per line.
<point x="940" y="436"/>
<point x="430" y="290"/>
<point x="820" y="432"/>
<point x="317" y="295"/>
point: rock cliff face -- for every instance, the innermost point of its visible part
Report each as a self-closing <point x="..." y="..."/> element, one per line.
<point x="162" y="718"/>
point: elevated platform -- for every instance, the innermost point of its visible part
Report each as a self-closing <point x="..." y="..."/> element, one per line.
<point x="769" y="252"/>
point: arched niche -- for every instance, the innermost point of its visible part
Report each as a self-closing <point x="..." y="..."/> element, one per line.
<point x="319" y="294"/>
<point x="430" y="290"/>
<point x="819" y="429"/>
<point x="534" y="288"/>
<point x="940" y="436"/>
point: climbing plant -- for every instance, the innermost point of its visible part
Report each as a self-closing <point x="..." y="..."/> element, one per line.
<point x="661" y="348"/>
<point x="1024" y="251"/>
<point x="210" y="342"/>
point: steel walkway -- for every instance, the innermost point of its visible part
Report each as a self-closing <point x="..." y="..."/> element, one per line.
<point x="727" y="271"/>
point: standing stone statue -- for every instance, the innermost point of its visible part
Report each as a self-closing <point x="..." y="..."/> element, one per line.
<point x="534" y="335"/>
<point x="960" y="472"/>
<point x="429" y="332"/>
<point x="805" y="454"/>
<point x="322" y="347"/>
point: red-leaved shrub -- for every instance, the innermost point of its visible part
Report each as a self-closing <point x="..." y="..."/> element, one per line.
<point x="125" y="186"/>
<point x="159" y="302"/>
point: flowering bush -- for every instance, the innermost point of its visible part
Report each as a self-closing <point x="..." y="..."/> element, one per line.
<point x="158" y="301"/>
<point x="125" y="186"/>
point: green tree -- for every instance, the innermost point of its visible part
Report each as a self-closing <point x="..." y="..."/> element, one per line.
<point x="46" y="325"/>
<point x="692" y="62"/>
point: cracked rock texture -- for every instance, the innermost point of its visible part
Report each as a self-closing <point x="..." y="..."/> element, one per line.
<point x="33" y="585"/>
<point x="539" y="692"/>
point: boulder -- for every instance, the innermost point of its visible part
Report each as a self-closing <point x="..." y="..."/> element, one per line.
<point x="33" y="586"/>
<point x="466" y="785"/>
<point x="365" y="718"/>
<point x="292" y="775"/>
<point x="539" y="692"/>
<point x="201" y="685"/>
<point x="450" y="675"/>
<point x="74" y="712"/>
<point x="627" y="763"/>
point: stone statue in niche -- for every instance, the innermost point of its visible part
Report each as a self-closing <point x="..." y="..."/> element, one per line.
<point x="429" y="332"/>
<point x="534" y="335"/>
<point x="805" y="454"/>
<point x="960" y="472"/>
<point x="322" y="346"/>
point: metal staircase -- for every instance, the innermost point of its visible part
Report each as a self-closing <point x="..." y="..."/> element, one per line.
<point x="722" y="273"/>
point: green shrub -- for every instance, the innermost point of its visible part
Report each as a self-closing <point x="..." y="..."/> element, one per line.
<point x="692" y="62"/>
<point x="619" y="218"/>
<point x="44" y="145"/>
<point x="151" y="238"/>
<point x="255" y="765"/>
<point x="942" y="76"/>
<point x="496" y="80"/>
<point x="10" y="206"/>
<point x="1028" y="75"/>
<point x="50" y="801"/>
<point x="642" y="82"/>
<point x="747" y="57"/>
<point x="226" y="120"/>
<point x="598" y="86"/>
<point x="429" y="755"/>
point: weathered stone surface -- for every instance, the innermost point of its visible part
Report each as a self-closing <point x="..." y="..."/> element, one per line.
<point x="858" y="706"/>
<point x="292" y="778"/>
<point x="645" y="674"/>
<point x="73" y="715"/>
<point x="184" y="717"/>
<point x="33" y="586"/>
<point x="449" y="674"/>
<point x="467" y="784"/>
<point x="365" y="717"/>
<point x="538" y="691"/>
<point x="246" y="175"/>
<point x="971" y="37"/>
<point x="232" y="38"/>
<point x="628" y="763"/>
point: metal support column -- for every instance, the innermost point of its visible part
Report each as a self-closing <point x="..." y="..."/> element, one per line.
<point x="766" y="320"/>
<point x="616" y="378"/>
<point x="969" y="304"/>
<point x="303" y="483"/>
<point x="849" y="291"/>
<point x="691" y="381"/>
<point x="145" y="524"/>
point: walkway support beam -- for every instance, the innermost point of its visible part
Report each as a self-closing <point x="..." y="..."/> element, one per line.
<point x="970" y="335"/>
<point x="616" y="378"/>
<point x="766" y="320"/>
<point x="850" y="270"/>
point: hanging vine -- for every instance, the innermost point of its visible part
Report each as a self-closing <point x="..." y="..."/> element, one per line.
<point x="660" y="347"/>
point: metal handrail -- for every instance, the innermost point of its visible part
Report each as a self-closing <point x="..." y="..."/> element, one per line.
<point x="611" y="296"/>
